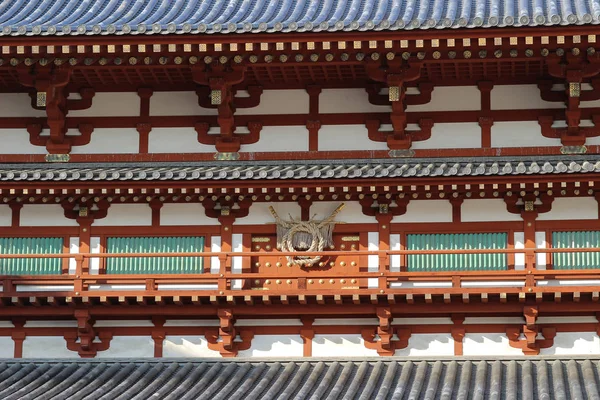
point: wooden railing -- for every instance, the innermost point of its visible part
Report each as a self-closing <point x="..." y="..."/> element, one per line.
<point x="302" y="281"/>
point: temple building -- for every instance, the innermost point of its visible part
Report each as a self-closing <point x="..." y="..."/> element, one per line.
<point x="299" y="199"/>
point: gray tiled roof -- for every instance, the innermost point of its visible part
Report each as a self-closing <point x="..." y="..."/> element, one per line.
<point x="103" y="17"/>
<point x="290" y="170"/>
<point x="535" y="378"/>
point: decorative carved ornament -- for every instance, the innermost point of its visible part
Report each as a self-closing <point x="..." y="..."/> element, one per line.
<point x="296" y="235"/>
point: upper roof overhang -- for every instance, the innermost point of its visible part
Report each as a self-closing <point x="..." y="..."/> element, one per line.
<point x="166" y="17"/>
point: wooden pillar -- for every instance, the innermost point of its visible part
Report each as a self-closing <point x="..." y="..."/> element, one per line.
<point x="456" y="209"/>
<point x="485" y="119"/>
<point x="384" y="222"/>
<point x="144" y="131"/>
<point x="155" y="205"/>
<point x="313" y="124"/>
<point x="307" y="333"/>
<point x="458" y="333"/>
<point x="85" y="227"/>
<point x="16" y="214"/>
<point x="226" y="247"/>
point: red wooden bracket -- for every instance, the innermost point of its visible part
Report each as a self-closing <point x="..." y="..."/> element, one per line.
<point x="559" y="96"/>
<point x="398" y="139"/>
<point x="224" y="339"/>
<point x="83" y="340"/>
<point x="252" y="100"/>
<point x="60" y="143"/>
<point x="573" y="134"/>
<point x="230" y="143"/>
<point x="424" y="96"/>
<point x="382" y="339"/>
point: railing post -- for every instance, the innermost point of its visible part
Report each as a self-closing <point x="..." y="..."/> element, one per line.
<point x="78" y="282"/>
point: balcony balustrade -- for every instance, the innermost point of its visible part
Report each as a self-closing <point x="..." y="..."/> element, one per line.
<point x="293" y="280"/>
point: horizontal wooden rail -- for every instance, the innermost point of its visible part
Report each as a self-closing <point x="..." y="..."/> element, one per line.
<point x="297" y="281"/>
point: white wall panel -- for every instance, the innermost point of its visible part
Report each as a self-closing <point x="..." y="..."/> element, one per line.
<point x="519" y="97"/>
<point x="519" y="243"/>
<point x="274" y="346"/>
<point x="5" y="215"/>
<point x="340" y="346"/>
<point x="129" y="346"/>
<point x="571" y="208"/>
<point x="426" y="211"/>
<point x="47" y="347"/>
<point x="332" y="101"/>
<point x="127" y="215"/>
<point x="110" y="141"/>
<point x="73" y="249"/>
<point x="176" y="140"/>
<point x="540" y="243"/>
<point x="280" y="138"/>
<point x="424" y="345"/>
<point x="215" y="247"/>
<point x="445" y="98"/>
<point x="573" y="343"/>
<point x="347" y="137"/>
<point x="18" y="105"/>
<point x="187" y="346"/>
<point x="395" y="258"/>
<point x="16" y="141"/>
<point x="473" y="210"/>
<point x="488" y="344"/>
<point x="45" y="215"/>
<point x="279" y="102"/>
<point x="259" y="213"/>
<point x="177" y="103"/>
<point x="7" y="347"/>
<point x="520" y="134"/>
<point x="107" y="104"/>
<point x="185" y="214"/>
<point x="351" y="213"/>
<point x="452" y="136"/>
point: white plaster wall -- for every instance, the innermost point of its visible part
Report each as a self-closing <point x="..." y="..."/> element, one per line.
<point x="473" y="210"/>
<point x="176" y="140"/>
<point x="350" y="214"/>
<point x="129" y="346"/>
<point x="519" y="243"/>
<point x="294" y="101"/>
<point x="438" y="344"/>
<point x="451" y="98"/>
<point x="452" y="136"/>
<point x="45" y="215"/>
<point x="488" y="344"/>
<point x="185" y="214"/>
<point x="519" y="97"/>
<point x="16" y="141"/>
<point x="121" y="104"/>
<point x="127" y="215"/>
<point x="18" y="105"/>
<point x="259" y="213"/>
<point x="5" y="215"/>
<point x="47" y="347"/>
<point x="215" y="247"/>
<point x="395" y="258"/>
<point x="540" y="243"/>
<point x="426" y="211"/>
<point x="177" y="103"/>
<point x="109" y="141"/>
<point x="333" y="101"/>
<point x="340" y="346"/>
<point x="573" y="343"/>
<point x="187" y="346"/>
<point x="572" y="208"/>
<point x="73" y="249"/>
<point x="7" y="347"/>
<point x="274" y="346"/>
<point x="520" y="134"/>
<point x="280" y="138"/>
<point x="347" y="137"/>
